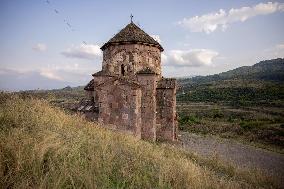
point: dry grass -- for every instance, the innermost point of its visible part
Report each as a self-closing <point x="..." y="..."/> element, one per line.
<point x="43" y="147"/>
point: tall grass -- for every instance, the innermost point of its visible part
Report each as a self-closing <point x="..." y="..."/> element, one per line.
<point x="43" y="147"/>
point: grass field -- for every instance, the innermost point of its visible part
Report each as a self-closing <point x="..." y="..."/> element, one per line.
<point x="43" y="147"/>
<point x="259" y="125"/>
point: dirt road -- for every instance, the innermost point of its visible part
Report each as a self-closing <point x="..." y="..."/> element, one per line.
<point x="239" y="154"/>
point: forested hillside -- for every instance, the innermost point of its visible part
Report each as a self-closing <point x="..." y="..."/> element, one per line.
<point x="261" y="83"/>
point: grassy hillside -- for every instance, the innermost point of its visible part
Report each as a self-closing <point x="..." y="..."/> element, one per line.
<point x="43" y="147"/>
<point x="261" y="83"/>
<point x="68" y="94"/>
<point x="65" y="97"/>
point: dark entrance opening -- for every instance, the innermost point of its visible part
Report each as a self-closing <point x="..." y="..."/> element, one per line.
<point x="122" y="70"/>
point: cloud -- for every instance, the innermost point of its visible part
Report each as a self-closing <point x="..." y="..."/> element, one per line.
<point x="156" y="38"/>
<point x="280" y="46"/>
<point x="50" y="77"/>
<point x="14" y="80"/>
<point x="164" y="58"/>
<point x="211" y="22"/>
<point x="83" y="51"/>
<point x="40" y="47"/>
<point x="50" y="74"/>
<point x="277" y="51"/>
<point x="189" y="58"/>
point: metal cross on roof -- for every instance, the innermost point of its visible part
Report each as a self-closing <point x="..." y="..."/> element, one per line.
<point x="131" y="16"/>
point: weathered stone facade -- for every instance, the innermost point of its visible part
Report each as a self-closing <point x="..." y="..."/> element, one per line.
<point x="130" y="92"/>
<point x="132" y="58"/>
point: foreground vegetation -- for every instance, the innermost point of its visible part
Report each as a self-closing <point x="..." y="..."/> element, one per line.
<point x="43" y="147"/>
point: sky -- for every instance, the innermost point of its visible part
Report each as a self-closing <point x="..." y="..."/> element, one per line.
<point x="46" y="44"/>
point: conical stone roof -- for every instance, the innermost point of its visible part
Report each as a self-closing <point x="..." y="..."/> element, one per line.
<point x="134" y="35"/>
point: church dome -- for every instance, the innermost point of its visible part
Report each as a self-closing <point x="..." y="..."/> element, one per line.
<point x="132" y="34"/>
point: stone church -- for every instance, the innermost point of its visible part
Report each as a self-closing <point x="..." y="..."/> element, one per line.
<point x="129" y="93"/>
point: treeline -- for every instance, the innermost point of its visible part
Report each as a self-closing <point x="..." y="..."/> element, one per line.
<point x="235" y="96"/>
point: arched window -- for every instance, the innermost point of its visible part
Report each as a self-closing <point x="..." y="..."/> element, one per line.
<point x="122" y="70"/>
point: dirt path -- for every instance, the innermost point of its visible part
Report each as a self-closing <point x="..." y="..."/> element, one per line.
<point x="239" y="154"/>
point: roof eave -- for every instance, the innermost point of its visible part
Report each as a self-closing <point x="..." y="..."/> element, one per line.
<point x="106" y="45"/>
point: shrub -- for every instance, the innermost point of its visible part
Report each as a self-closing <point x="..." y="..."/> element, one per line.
<point x="250" y="124"/>
<point x="216" y="113"/>
<point x="188" y="120"/>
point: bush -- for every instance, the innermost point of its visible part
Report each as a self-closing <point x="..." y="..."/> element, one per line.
<point x="250" y="124"/>
<point x="216" y="113"/>
<point x="188" y="119"/>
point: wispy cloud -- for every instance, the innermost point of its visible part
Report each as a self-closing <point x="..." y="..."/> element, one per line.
<point x="280" y="46"/>
<point x="157" y="38"/>
<point x="83" y="51"/>
<point x="14" y="80"/>
<point x="211" y="22"/>
<point x="189" y="58"/>
<point x="40" y="47"/>
<point x="50" y="74"/>
<point x="277" y="51"/>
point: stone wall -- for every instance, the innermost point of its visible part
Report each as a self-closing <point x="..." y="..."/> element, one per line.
<point x="99" y="78"/>
<point x="148" y="105"/>
<point x="89" y="95"/>
<point x="120" y="106"/>
<point x="167" y="83"/>
<point x="130" y="58"/>
<point x="166" y="109"/>
<point x="131" y="94"/>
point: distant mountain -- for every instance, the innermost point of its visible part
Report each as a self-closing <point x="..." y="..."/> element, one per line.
<point x="64" y="95"/>
<point x="262" y="82"/>
<point x="267" y="70"/>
